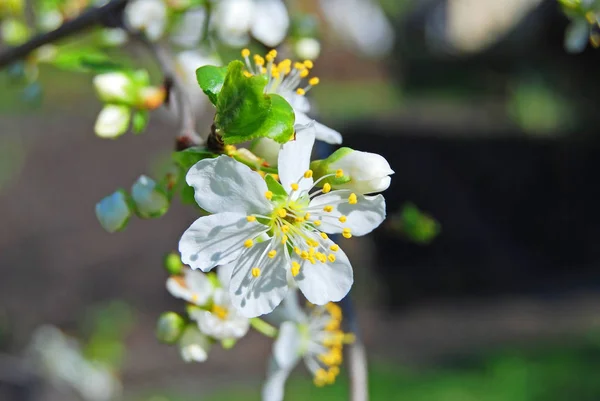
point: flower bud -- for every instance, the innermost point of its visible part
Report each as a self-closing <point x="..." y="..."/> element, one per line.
<point x="362" y="172"/>
<point x="170" y="327"/>
<point x="307" y="48"/>
<point x="150" y="200"/>
<point x="113" y="212"/>
<point x="173" y="263"/>
<point x="115" y="87"/>
<point x="113" y="121"/>
<point x="267" y="149"/>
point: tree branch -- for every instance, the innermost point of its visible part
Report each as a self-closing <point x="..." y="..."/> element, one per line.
<point x="187" y="120"/>
<point x="109" y="14"/>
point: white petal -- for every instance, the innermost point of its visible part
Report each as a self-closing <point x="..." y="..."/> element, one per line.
<point x="271" y="22"/>
<point x="232" y="20"/>
<point x="266" y="148"/>
<point x="294" y="160"/>
<point x="273" y="389"/>
<point x="326" y="282"/>
<point x="112" y="121"/>
<point x="224" y="274"/>
<point x="196" y="289"/>
<point x="362" y="218"/>
<point x="299" y="103"/>
<point x="255" y="296"/>
<point x="114" y="87"/>
<point x="194" y="345"/>
<point x="216" y="239"/>
<point x="233" y="326"/>
<point x="226" y="185"/>
<point x="287" y="347"/>
<point x="190" y="28"/>
<point x="362" y="165"/>
<point x="322" y="132"/>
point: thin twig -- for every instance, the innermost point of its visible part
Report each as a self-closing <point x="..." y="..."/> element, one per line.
<point x="187" y="120"/>
<point x="356" y="355"/>
<point x="109" y="14"/>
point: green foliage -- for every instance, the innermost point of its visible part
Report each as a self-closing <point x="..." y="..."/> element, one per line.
<point x="210" y="79"/>
<point x="173" y="263"/>
<point x="245" y="112"/>
<point x="275" y="187"/>
<point x="188" y="157"/>
<point x="140" y="121"/>
<point x="415" y="225"/>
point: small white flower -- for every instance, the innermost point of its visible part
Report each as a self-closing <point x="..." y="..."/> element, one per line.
<point x="308" y="48"/>
<point x="193" y="287"/>
<point x="267" y="234"/>
<point x="113" y="121"/>
<point x="368" y="172"/>
<point x="313" y="335"/>
<point x="286" y="79"/>
<point x="148" y="16"/>
<point x="115" y="87"/>
<point x="194" y="345"/>
<point x="222" y="321"/>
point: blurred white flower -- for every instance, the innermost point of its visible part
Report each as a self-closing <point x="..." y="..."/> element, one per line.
<point x="362" y="24"/>
<point x="186" y="64"/>
<point x="148" y="16"/>
<point x="113" y="121"/>
<point x="190" y="29"/>
<point x="222" y="321"/>
<point x="307" y="48"/>
<point x="60" y="360"/>
<point x="194" y="345"/>
<point x="193" y="287"/>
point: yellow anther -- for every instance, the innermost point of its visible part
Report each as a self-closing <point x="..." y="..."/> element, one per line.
<point x="297" y="250"/>
<point x="328" y="208"/>
<point x="308" y="174"/>
<point x="272" y="53"/>
<point x="269" y="195"/>
<point x="247" y="74"/>
<point x="308" y="64"/>
<point x="295" y="268"/>
<point x="245" y="53"/>
<point x="346" y="233"/>
<point x="352" y="199"/>
<point x="255" y="272"/>
<point x="281" y="212"/>
<point x="304" y="255"/>
<point x="326" y="188"/>
<point x="314" y="81"/>
<point x="263" y="70"/>
<point x="299" y="66"/>
<point x="333" y="324"/>
<point x="300" y="92"/>
<point x="251" y="218"/>
<point x="321" y="256"/>
<point x="304" y="73"/>
<point x="284" y="239"/>
<point x="334" y="310"/>
<point x="195" y="297"/>
<point x="272" y="253"/>
<point x="269" y="57"/>
<point x="311" y="251"/>
<point x="307" y="216"/>
<point x="230" y="150"/>
<point x="343" y="219"/>
<point x="285" y="229"/>
<point x="334" y="247"/>
<point x="324" y="236"/>
<point x="219" y="311"/>
<point x="349" y="338"/>
<point x="248" y="243"/>
<point x="294" y="186"/>
<point x="299" y="219"/>
<point x="317" y="223"/>
<point x="331" y="257"/>
<point x="262" y="173"/>
<point x="258" y="60"/>
<point x="339" y="173"/>
<point x="285" y="64"/>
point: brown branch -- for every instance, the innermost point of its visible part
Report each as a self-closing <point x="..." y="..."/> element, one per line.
<point x="109" y="14"/>
<point x="187" y="135"/>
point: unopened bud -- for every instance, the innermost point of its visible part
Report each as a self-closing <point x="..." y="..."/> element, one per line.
<point x="173" y="263"/>
<point x="169" y="327"/>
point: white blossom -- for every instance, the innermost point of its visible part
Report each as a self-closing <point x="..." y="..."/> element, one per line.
<point x="368" y="172"/>
<point x="148" y="16"/>
<point x="113" y="121"/>
<point x="269" y="232"/>
<point x="194" y="345"/>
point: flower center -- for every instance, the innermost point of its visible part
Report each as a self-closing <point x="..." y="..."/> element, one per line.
<point x="220" y="312"/>
<point x="284" y="77"/>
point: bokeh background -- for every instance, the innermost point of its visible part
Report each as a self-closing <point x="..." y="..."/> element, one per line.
<point x="483" y="284"/>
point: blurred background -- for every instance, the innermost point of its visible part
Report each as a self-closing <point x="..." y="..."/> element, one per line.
<point x="483" y="284"/>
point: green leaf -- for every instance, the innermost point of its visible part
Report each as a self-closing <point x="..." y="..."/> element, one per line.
<point x="140" y="121"/>
<point x="188" y="157"/>
<point x="210" y="79"/>
<point x="275" y="187"/>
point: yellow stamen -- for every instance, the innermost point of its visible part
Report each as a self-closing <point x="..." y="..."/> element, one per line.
<point x="299" y="66"/>
<point x="324" y="236"/>
<point x="328" y="208"/>
<point x="297" y="250"/>
<point x="300" y="92"/>
<point x="195" y="297"/>
<point x="317" y="223"/>
<point x="285" y="229"/>
<point x="251" y="218"/>
<point x="321" y="256"/>
<point x="255" y="272"/>
<point x="326" y="188"/>
<point x="294" y="186"/>
<point x="295" y="268"/>
<point x="247" y="74"/>
<point x="248" y="243"/>
<point x="308" y="64"/>
<point x="272" y="253"/>
<point x="245" y="53"/>
<point x="219" y="311"/>
<point x="343" y="219"/>
<point x="269" y="195"/>
<point x="299" y="219"/>
<point x="331" y="257"/>
<point x="334" y="247"/>
<point x="258" y="60"/>
<point x="314" y="81"/>
<point x="339" y="173"/>
<point x="284" y="239"/>
<point x="307" y="216"/>
<point x="352" y="199"/>
<point x="304" y="73"/>
<point x="308" y="173"/>
<point x="304" y="255"/>
<point x="281" y="212"/>
<point x="346" y="233"/>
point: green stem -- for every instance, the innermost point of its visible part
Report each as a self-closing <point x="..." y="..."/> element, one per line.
<point x="263" y="327"/>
